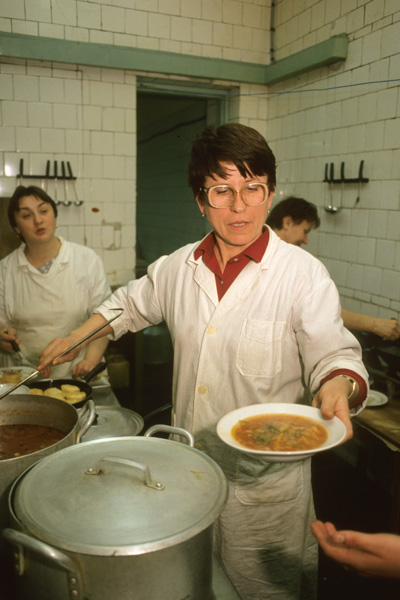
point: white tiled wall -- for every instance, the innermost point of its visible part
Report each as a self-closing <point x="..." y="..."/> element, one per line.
<point x="231" y="29"/>
<point x="85" y="116"/>
<point x="345" y="113"/>
<point x="88" y="115"/>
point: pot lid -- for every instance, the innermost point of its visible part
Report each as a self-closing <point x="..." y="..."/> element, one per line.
<point x="114" y="421"/>
<point x="120" y="496"/>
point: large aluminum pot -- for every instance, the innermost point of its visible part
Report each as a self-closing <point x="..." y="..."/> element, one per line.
<point x="38" y="410"/>
<point x="125" y="518"/>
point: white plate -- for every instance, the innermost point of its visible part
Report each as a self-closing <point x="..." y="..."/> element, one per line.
<point x="5" y="387"/>
<point x="25" y="371"/>
<point x="376" y="398"/>
<point x="334" y="427"/>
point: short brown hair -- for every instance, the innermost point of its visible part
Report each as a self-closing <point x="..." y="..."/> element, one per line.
<point x="297" y="208"/>
<point x="243" y="146"/>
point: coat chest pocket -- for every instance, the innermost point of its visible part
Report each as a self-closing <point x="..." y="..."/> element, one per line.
<point x="260" y="348"/>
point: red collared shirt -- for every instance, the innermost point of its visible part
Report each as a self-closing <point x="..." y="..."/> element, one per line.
<point x="235" y="265"/>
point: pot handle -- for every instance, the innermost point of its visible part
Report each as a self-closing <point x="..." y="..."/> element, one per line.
<point x="130" y="464"/>
<point x="172" y="430"/>
<point x="89" y="407"/>
<point x="22" y="540"/>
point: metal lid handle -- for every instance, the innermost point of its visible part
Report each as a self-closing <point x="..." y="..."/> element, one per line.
<point x="130" y="464"/>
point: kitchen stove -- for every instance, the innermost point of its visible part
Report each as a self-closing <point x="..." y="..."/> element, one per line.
<point x="382" y="361"/>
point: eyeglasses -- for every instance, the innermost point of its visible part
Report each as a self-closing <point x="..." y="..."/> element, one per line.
<point x="223" y="196"/>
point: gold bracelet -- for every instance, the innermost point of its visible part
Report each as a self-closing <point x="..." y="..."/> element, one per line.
<point x="354" y="386"/>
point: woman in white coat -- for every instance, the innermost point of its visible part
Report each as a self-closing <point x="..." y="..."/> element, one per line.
<point x="48" y="286"/>
<point x="252" y="319"/>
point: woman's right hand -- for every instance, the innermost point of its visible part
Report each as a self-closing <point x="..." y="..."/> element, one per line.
<point x="56" y="347"/>
<point x="85" y="334"/>
<point x="6" y="337"/>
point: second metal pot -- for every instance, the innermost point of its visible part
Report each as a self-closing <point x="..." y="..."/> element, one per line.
<point x="37" y="410"/>
<point x="114" y="421"/>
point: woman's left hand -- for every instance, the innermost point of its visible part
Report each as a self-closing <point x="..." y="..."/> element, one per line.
<point x="331" y="399"/>
<point x="83" y="368"/>
<point x="6" y="337"/>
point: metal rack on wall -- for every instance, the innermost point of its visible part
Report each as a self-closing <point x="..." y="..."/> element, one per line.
<point x="329" y="177"/>
<point x="55" y="177"/>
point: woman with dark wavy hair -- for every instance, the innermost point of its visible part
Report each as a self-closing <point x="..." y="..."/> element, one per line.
<point x="47" y="285"/>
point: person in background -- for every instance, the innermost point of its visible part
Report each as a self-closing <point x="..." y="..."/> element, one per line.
<point x="47" y="286"/>
<point x="249" y="317"/>
<point x="370" y="554"/>
<point x="292" y="219"/>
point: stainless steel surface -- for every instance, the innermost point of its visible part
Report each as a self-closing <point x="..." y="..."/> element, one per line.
<point x="222" y="588"/>
<point x="46" y="573"/>
<point x="103" y="395"/>
<point x="41" y="410"/>
<point x="114" y="421"/>
<point x="116" y="476"/>
<point x="175" y="431"/>
<point x="137" y="528"/>
<point x="221" y="585"/>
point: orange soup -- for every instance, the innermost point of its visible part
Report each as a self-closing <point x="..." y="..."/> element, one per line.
<point x="279" y="432"/>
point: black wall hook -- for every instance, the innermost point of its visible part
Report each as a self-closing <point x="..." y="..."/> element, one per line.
<point x="46" y="176"/>
<point x="331" y="178"/>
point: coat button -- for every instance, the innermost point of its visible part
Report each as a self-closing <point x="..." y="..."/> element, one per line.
<point x="202" y="389"/>
<point x="211" y="330"/>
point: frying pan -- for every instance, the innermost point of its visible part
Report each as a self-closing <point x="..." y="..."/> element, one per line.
<point x="34" y="373"/>
<point x="45" y="384"/>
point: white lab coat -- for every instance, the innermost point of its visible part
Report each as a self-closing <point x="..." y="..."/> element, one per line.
<point x="43" y="306"/>
<point x="275" y="334"/>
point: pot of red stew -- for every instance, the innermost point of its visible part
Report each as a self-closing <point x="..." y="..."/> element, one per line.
<point x="31" y="428"/>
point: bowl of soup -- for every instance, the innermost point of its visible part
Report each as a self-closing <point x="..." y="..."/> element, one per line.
<point x="280" y="432"/>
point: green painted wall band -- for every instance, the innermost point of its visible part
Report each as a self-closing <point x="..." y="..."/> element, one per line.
<point x="22" y="46"/>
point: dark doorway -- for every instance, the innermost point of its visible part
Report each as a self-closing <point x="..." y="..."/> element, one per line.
<point x="167" y="214"/>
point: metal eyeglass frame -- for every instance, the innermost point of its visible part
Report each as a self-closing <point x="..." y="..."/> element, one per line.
<point x="237" y="192"/>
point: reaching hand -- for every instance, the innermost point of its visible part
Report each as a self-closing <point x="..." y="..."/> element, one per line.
<point x="386" y="328"/>
<point x="83" y="368"/>
<point x="372" y="555"/>
<point x="55" y="348"/>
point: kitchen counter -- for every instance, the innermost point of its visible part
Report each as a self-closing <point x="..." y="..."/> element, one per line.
<point x="384" y="422"/>
<point x="103" y="395"/>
